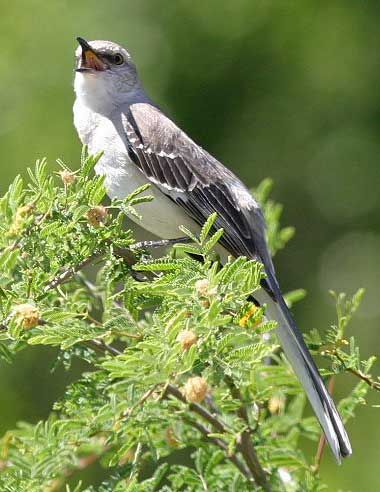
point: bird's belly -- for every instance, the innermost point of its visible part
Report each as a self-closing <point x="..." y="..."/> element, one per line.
<point x="161" y="216"/>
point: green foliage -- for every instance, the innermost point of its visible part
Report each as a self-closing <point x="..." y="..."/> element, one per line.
<point x="147" y="327"/>
<point x="277" y="237"/>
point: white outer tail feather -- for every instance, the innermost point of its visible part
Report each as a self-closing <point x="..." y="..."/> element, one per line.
<point x="304" y="367"/>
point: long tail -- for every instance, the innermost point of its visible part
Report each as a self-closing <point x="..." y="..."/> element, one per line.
<point x="304" y="367"/>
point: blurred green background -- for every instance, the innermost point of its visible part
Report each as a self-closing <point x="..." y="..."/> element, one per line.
<point x="288" y="90"/>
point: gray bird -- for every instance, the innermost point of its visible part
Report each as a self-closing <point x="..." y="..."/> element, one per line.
<point x="113" y="113"/>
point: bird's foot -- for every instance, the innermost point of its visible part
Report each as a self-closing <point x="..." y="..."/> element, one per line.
<point x="160" y="243"/>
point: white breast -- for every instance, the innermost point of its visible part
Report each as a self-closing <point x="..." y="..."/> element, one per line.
<point x="162" y="216"/>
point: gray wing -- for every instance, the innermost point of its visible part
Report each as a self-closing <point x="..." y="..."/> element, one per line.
<point x="195" y="180"/>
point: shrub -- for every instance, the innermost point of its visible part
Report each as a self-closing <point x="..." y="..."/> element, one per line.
<point x="187" y="387"/>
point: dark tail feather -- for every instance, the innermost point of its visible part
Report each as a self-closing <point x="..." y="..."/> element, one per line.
<point x="304" y="367"/>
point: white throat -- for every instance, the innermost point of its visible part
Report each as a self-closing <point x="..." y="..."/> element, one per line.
<point x="94" y="92"/>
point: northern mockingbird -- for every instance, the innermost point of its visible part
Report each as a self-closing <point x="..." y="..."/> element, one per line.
<point x="113" y="113"/>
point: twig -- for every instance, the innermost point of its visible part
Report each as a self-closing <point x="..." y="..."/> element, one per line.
<point x="250" y="457"/>
<point x="364" y="377"/>
<point x="194" y="407"/>
<point x="359" y="374"/>
<point x="70" y="272"/>
<point x="67" y="274"/>
<point x="142" y="400"/>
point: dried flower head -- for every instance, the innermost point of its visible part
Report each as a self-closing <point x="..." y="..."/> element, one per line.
<point x="187" y="338"/>
<point x="68" y="178"/>
<point x="195" y="389"/>
<point x="202" y="286"/>
<point x="27" y="315"/>
<point x="97" y="216"/>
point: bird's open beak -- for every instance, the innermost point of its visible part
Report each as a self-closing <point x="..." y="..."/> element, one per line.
<point x="90" y="60"/>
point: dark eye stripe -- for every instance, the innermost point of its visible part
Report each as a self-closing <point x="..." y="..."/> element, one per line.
<point x="112" y="58"/>
<point x="107" y="56"/>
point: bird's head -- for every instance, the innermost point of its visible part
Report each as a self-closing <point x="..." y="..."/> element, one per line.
<point x="105" y="75"/>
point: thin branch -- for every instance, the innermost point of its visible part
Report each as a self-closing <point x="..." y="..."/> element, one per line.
<point x="70" y="272"/>
<point x="250" y="457"/>
<point x="142" y="400"/>
<point x="364" y="377"/>
<point x="219" y="425"/>
<point x="245" y="448"/>
<point x="359" y="374"/>
<point x="67" y="274"/>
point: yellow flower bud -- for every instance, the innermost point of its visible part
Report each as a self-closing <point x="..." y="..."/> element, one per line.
<point x="195" y="389"/>
<point x="187" y="338"/>
<point x="243" y="321"/>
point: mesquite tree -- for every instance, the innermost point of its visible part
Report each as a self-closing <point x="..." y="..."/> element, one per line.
<point x="188" y="388"/>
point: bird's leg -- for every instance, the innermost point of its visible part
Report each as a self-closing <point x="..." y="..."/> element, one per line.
<point x="160" y="243"/>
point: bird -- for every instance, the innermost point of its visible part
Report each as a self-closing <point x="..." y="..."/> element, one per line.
<point x="113" y="114"/>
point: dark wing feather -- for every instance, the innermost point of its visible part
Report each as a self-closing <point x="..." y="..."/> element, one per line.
<point x="196" y="180"/>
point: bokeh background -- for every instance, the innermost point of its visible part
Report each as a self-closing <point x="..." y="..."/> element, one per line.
<point x="288" y="90"/>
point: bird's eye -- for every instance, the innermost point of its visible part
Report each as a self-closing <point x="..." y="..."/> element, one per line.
<point x="118" y="59"/>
